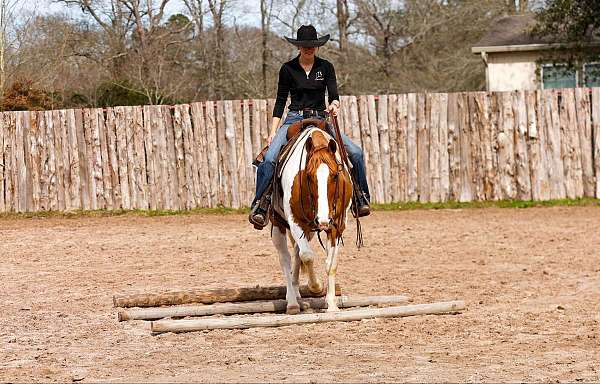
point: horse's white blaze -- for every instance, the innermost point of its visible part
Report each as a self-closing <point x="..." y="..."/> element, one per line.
<point x="323" y="203"/>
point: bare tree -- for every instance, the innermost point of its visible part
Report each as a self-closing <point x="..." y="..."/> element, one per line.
<point x="217" y="9"/>
<point x="44" y="55"/>
<point x="8" y="9"/>
<point x="136" y="51"/>
<point x="266" y="10"/>
<point x="141" y="45"/>
<point x="518" y="6"/>
<point x="343" y="23"/>
<point x="197" y="12"/>
<point x="149" y="37"/>
<point x="382" y="21"/>
<point x="116" y="21"/>
<point x="335" y="17"/>
<point x="524" y="6"/>
<point x="419" y="45"/>
<point x="291" y="14"/>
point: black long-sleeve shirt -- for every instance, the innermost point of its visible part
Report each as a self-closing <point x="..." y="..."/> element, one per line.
<point x="307" y="91"/>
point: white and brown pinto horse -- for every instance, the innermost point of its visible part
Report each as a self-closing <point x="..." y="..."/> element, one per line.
<point x="316" y="194"/>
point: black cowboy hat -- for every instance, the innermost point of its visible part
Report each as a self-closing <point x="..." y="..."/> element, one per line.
<point x="306" y="36"/>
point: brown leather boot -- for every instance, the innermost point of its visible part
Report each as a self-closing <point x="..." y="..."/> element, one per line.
<point x="259" y="214"/>
<point x="360" y="206"/>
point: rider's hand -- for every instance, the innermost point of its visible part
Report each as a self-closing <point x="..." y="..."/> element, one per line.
<point x="270" y="138"/>
<point x="333" y="109"/>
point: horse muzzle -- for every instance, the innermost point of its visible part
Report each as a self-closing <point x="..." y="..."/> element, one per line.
<point x="325" y="225"/>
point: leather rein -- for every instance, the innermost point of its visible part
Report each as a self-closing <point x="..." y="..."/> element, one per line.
<point x="314" y="225"/>
<point x="346" y="160"/>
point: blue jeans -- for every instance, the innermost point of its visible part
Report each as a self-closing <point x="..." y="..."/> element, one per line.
<point x="266" y="169"/>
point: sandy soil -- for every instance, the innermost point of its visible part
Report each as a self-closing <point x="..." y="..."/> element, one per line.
<point x="531" y="280"/>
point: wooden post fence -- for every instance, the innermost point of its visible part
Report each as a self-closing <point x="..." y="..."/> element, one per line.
<point x="526" y="145"/>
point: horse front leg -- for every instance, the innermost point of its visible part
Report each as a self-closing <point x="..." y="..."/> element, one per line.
<point x="331" y="266"/>
<point x="307" y="256"/>
<point x="280" y="242"/>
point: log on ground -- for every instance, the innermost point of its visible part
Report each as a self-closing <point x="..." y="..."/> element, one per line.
<point x="162" y="326"/>
<point x="252" y="307"/>
<point x="210" y="296"/>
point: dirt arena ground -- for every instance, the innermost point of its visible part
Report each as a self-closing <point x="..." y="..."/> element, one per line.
<point x="530" y="277"/>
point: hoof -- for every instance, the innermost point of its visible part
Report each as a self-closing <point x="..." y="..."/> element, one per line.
<point x="316" y="288"/>
<point x="333" y="309"/>
<point x="307" y="258"/>
<point x="293" y="309"/>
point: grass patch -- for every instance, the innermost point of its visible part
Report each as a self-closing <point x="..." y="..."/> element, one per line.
<point x="585" y="202"/>
<point x="123" y="212"/>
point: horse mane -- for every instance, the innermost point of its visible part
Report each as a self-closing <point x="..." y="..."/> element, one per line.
<point x="320" y="152"/>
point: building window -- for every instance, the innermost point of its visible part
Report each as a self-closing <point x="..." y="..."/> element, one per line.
<point x="591" y="73"/>
<point x="558" y="76"/>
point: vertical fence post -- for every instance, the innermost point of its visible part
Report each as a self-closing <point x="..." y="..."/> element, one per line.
<point x="2" y="165"/>
<point x="583" y="128"/>
<point x="383" y="149"/>
<point x="596" y="131"/>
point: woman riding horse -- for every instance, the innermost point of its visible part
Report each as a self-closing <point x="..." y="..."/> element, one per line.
<point x="305" y="78"/>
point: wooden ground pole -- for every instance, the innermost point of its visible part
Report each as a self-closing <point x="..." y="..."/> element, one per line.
<point x="210" y="296"/>
<point x="252" y="307"/>
<point x="162" y="326"/>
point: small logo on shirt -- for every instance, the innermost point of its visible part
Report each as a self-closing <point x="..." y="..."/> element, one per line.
<point x="319" y="75"/>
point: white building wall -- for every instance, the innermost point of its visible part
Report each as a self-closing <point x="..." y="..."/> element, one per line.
<point x="509" y="71"/>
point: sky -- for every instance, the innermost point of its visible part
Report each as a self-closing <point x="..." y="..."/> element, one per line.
<point x="247" y="12"/>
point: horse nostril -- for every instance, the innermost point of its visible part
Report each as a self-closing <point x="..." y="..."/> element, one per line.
<point x="323" y="225"/>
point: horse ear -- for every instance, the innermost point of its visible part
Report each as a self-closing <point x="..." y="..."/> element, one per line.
<point x="309" y="144"/>
<point x="332" y="146"/>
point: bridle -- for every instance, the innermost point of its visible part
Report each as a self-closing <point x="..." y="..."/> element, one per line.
<point x="313" y="224"/>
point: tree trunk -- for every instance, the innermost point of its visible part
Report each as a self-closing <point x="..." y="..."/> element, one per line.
<point x="343" y="17"/>
<point x="264" y="23"/>
<point x="216" y="10"/>
<point x="2" y="44"/>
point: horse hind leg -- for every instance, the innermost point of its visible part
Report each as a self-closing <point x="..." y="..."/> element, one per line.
<point x="314" y="283"/>
<point x="285" y="259"/>
<point x="296" y="265"/>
